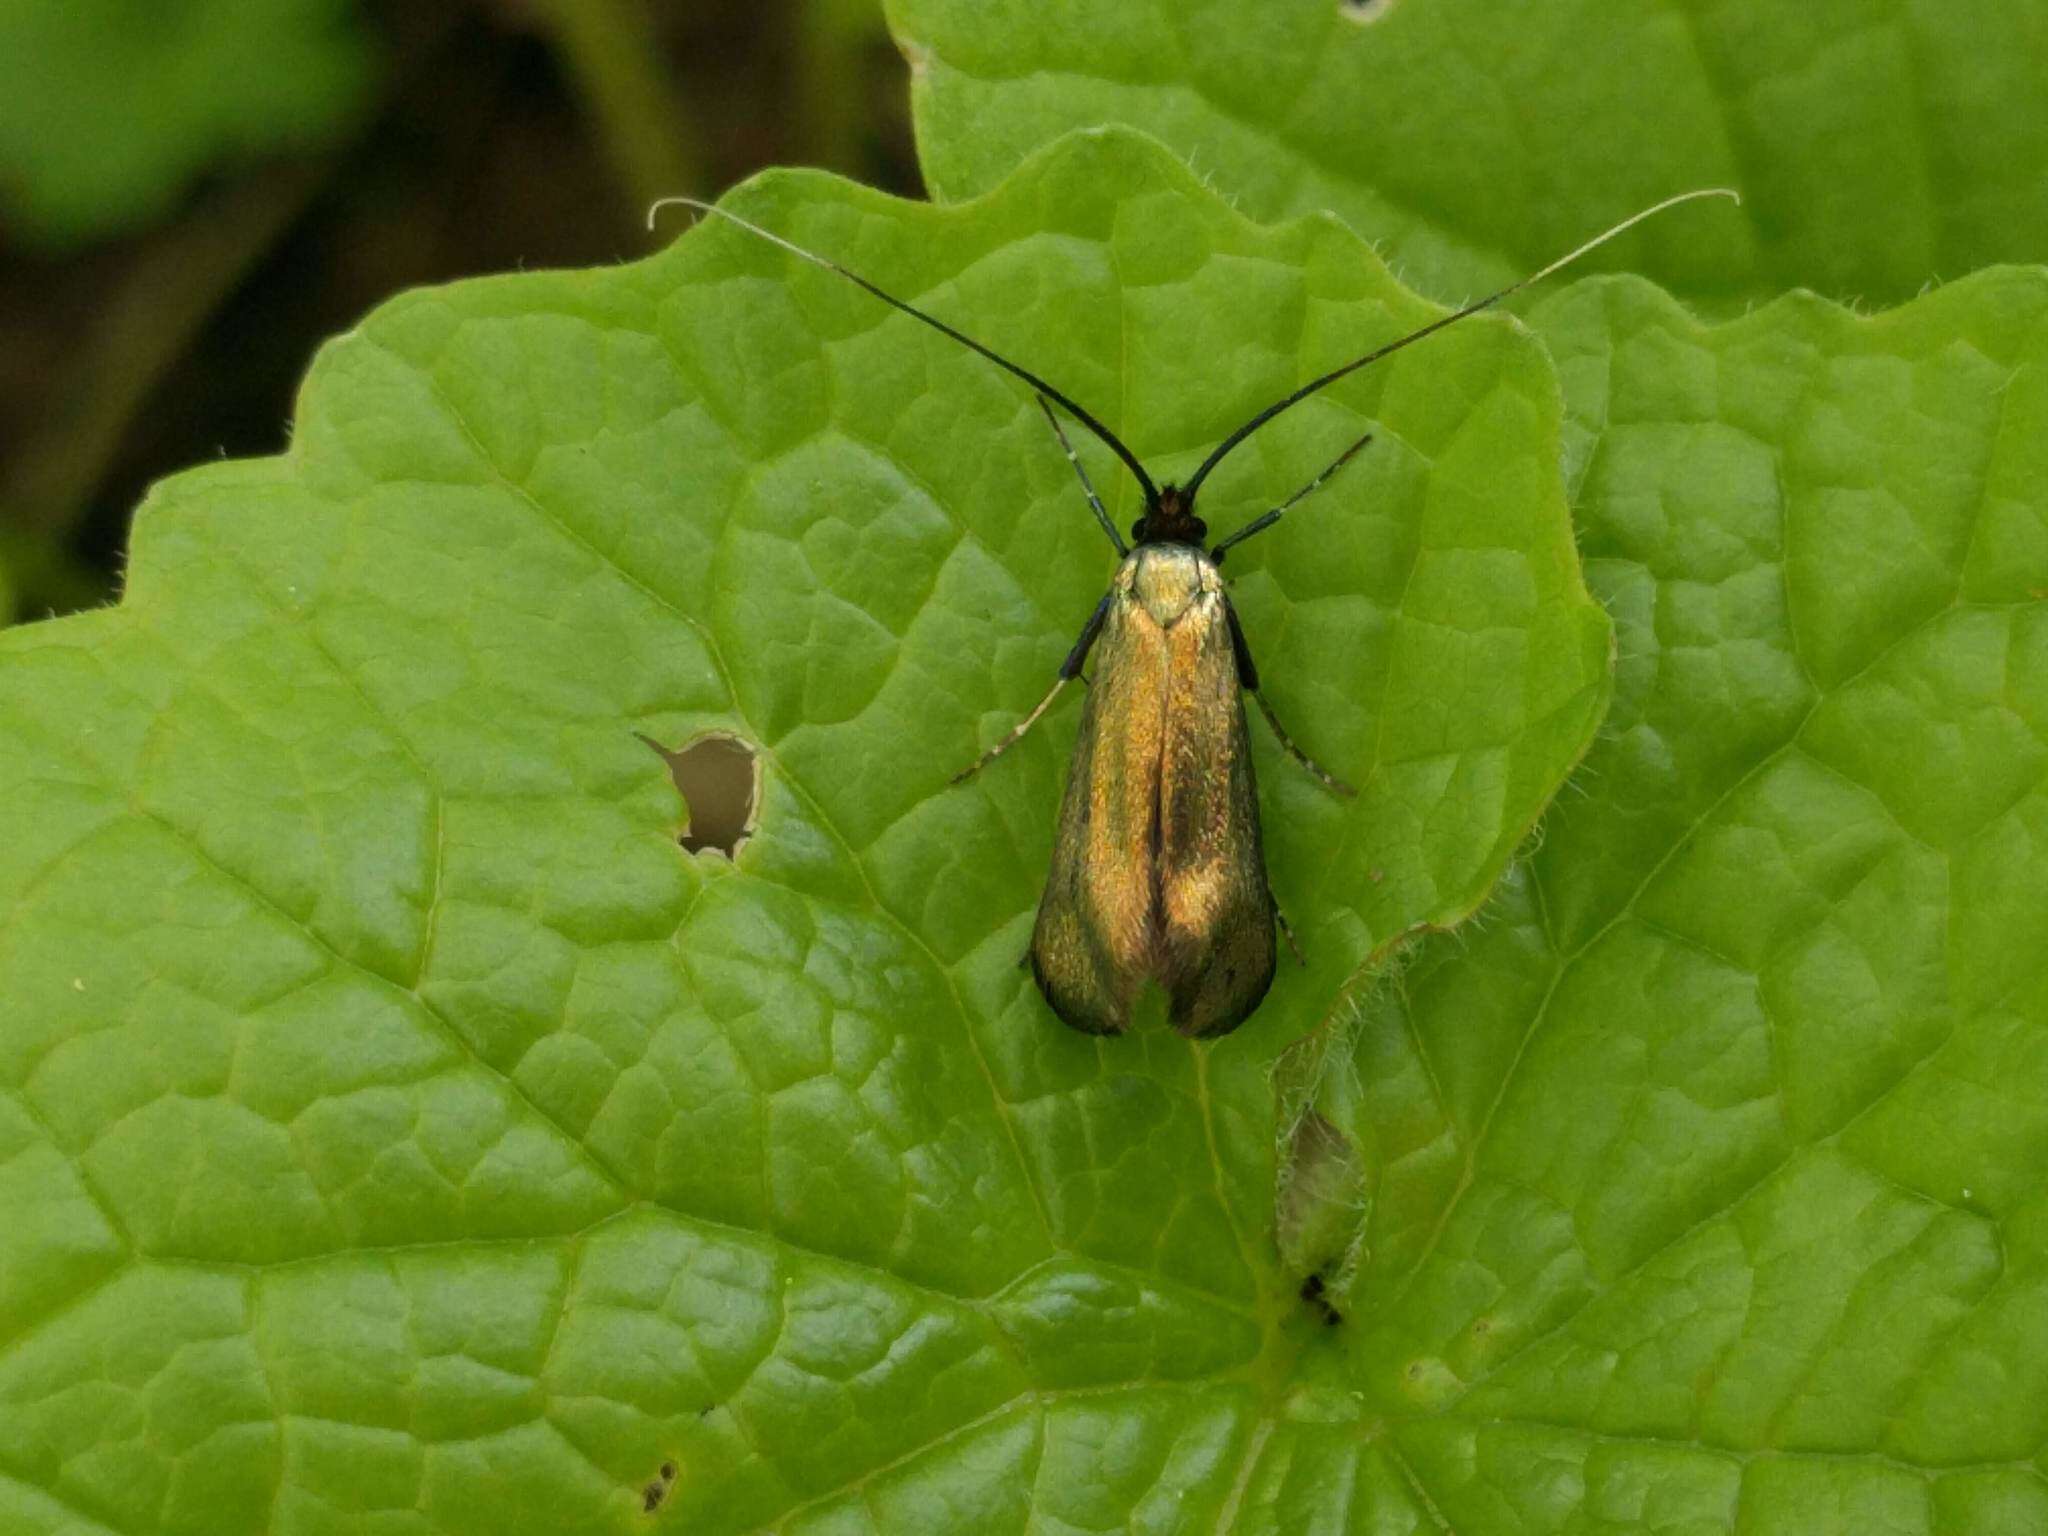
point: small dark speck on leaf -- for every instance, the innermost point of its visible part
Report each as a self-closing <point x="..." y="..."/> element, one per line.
<point x="719" y="777"/>
<point x="656" y="1491"/>
<point x="1317" y="1296"/>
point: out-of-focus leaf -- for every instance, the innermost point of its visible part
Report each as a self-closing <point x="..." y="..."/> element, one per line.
<point x="109" y="108"/>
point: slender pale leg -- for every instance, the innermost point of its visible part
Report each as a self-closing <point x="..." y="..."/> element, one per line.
<point x="1329" y="780"/>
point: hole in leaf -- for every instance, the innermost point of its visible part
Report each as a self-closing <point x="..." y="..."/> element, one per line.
<point x="719" y="777"/>
<point x="1364" y="12"/>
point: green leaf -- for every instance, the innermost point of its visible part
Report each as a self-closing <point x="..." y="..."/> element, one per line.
<point x="402" y="1134"/>
<point x="1877" y="146"/>
<point x="1710" y="1174"/>
<point x="110" y="108"/>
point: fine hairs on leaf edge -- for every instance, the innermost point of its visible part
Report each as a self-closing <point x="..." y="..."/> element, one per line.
<point x="1302" y="1073"/>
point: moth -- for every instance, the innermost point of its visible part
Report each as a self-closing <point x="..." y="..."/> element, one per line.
<point x="1158" y="869"/>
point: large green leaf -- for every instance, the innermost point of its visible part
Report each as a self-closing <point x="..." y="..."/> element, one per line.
<point x="1709" y="1180"/>
<point x="402" y="1134"/>
<point x="108" y="108"/>
<point x="1879" y="144"/>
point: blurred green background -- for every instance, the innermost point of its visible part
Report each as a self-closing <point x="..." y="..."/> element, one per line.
<point x="195" y="193"/>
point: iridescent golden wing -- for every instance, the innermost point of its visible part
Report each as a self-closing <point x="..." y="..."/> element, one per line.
<point x="1215" y="940"/>
<point x="1092" y="948"/>
<point x="1158" y="871"/>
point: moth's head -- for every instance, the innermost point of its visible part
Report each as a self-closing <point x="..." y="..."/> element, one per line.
<point x="1170" y="519"/>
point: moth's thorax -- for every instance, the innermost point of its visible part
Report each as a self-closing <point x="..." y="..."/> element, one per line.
<point x="1167" y="579"/>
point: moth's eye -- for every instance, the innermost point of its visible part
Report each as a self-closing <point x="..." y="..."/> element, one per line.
<point x="1138" y="531"/>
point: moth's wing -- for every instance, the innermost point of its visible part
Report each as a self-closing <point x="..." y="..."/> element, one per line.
<point x="1092" y="949"/>
<point x="1216" y="950"/>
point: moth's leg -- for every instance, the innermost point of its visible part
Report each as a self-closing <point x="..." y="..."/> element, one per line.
<point x="1262" y="523"/>
<point x="1015" y="735"/>
<point x="1069" y="670"/>
<point x="1329" y="780"/>
<point x="1248" y="679"/>
<point x="1287" y="932"/>
<point x="1074" y="459"/>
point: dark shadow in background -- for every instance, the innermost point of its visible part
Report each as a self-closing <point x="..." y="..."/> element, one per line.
<point x="500" y="136"/>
